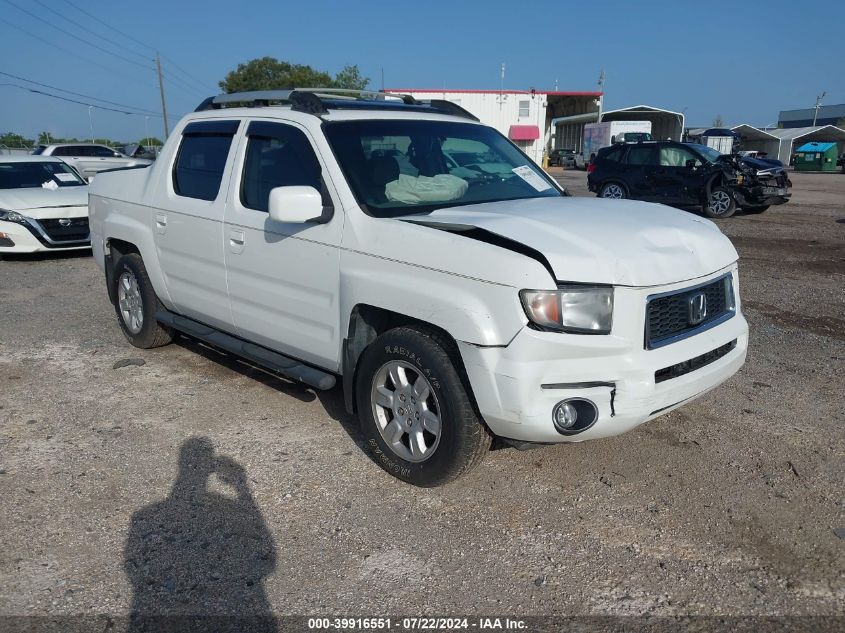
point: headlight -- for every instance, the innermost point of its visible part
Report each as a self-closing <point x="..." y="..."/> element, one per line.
<point x="11" y="216"/>
<point x="574" y="309"/>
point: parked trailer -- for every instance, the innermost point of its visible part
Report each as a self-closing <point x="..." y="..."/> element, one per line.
<point x="598" y="135"/>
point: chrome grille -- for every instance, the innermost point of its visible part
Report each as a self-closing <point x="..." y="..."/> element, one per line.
<point x="66" y="229"/>
<point x="676" y="315"/>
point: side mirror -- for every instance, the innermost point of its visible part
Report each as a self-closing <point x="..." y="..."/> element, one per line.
<point x="690" y="163"/>
<point x="295" y="204"/>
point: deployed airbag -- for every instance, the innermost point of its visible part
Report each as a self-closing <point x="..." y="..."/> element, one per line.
<point x="419" y="189"/>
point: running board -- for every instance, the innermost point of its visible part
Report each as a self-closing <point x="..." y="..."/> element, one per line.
<point x="285" y="365"/>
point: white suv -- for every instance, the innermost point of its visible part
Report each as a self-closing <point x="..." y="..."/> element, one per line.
<point x="323" y="236"/>
<point x="89" y="158"/>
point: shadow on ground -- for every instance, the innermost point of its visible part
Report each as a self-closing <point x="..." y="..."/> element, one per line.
<point x="197" y="559"/>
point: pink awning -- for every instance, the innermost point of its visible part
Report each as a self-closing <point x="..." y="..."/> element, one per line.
<point x="524" y="133"/>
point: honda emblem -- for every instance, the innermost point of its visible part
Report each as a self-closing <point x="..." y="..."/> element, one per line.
<point x="697" y="308"/>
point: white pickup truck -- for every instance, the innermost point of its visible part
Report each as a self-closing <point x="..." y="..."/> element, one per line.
<point x="324" y="236"/>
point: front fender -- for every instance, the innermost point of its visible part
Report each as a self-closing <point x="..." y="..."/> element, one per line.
<point x="470" y="310"/>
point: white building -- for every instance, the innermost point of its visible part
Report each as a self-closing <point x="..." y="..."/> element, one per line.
<point x="524" y="116"/>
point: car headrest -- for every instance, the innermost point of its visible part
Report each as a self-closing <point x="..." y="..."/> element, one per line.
<point x="384" y="169"/>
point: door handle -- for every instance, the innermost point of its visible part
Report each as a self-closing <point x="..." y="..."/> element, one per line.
<point x="236" y="240"/>
<point x="161" y="223"/>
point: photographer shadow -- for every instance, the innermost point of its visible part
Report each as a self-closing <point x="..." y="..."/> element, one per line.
<point x="197" y="560"/>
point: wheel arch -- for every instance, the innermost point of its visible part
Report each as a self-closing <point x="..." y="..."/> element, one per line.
<point x="115" y="249"/>
<point x="366" y="324"/>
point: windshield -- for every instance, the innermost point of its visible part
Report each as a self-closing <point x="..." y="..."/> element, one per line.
<point x="708" y="152"/>
<point x="49" y="175"/>
<point x="400" y="167"/>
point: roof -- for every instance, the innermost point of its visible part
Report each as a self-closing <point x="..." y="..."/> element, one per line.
<point x="815" y="146"/>
<point x="28" y="158"/>
<point x="792" y="133"/>
<point x="642" y="108"/>
<point x="494" y="92"/>
<point x="287" y="113"/>
<point x="825" y="112"/>
<point x="751" y="132"/>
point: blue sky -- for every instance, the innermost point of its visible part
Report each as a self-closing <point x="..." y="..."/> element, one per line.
<point x="742" y="60"/>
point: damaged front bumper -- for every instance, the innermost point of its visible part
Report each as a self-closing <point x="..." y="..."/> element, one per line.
<point x="761" y="189"/>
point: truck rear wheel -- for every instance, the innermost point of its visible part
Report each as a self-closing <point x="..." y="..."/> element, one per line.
<point x="417" y="417"/>
<point x="136" y="304"/>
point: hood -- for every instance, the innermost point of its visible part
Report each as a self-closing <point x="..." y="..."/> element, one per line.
<point x="593" y="240"/>
<point x="40" y="198"/>
<point x="762" y="164"/>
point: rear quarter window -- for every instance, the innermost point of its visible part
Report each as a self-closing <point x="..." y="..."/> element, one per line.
<point x="614" y="154"/>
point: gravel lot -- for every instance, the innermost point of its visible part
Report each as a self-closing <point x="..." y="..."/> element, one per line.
<point x="729" y="506"/>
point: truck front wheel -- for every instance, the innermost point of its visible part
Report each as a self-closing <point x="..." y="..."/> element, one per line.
<point x="136" y="304"/>
<point x="417" y="417"/>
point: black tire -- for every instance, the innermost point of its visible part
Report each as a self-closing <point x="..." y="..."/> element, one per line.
<point x="759" y="209"/>
<point x="720" y="204"/>
<point x="463" y="440"/>
<point x="150" y="333"/>
<point x="609" y="189"/>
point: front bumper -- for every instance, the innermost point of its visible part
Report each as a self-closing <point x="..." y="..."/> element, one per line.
<point x="32" y="237"/>
<point x="517" y="386"/>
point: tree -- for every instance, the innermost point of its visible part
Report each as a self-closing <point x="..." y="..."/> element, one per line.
<point x="152" y="140"/>
<point x="718" y="122"/>
<point x="268" y="73"/>
<point x="11" y="139"/>
<point x="350" y="77"/>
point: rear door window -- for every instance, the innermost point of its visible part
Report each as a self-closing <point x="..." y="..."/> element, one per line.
<point x="614" y="154"/>
<point x="103" y="152"/>
<point x="642" y="155"/>
<point x="199" y="166"/>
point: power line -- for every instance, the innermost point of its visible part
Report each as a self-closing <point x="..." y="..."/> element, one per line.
<point x="79" y="94"/>
<point x="92" y="105"/>
<point x="116" y="30"/>
<point x="76" y="37"/>
<point x="178" y="83"/>
<point x="174" y="66"/>
<point x="120" y="45"/>
<point x="74" y="54"/>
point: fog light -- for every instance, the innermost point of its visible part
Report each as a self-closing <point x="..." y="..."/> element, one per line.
<point x="565" y="415"/>
<point x="574" y="415"/>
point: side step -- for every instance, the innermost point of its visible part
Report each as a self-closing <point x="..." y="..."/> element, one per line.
<point x="285" y="365"/>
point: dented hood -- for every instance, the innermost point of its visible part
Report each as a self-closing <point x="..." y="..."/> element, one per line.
<point x="593" y="240"/>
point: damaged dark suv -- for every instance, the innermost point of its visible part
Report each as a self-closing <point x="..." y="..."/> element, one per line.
<point x="688" y="175"/>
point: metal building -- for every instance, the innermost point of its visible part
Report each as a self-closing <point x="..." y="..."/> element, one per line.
<point x="524" y="116"/>
<point x="827" y="115"/>
<point x="665" y="124"/>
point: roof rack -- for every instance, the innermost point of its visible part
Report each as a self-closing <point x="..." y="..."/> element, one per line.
<point x="317" y="101"/>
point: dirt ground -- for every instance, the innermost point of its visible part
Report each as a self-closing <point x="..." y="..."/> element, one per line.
<point x="732" y="505"/>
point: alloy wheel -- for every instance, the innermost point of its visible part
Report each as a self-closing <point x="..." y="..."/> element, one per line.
<point x="720" y="202"/>
<point x="130" y="302"/>
<point x="613" y="191"/>
<point x="406" y="411"/>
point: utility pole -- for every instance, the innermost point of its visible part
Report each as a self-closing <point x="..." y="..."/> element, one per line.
<point x="818" y="105"/>
<point x="161" y="90"/>
<point x="91" y="122"/>
<point x="601" y="83"/>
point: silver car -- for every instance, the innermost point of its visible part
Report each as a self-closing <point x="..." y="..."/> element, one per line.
<point x="89" y="158"/>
